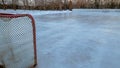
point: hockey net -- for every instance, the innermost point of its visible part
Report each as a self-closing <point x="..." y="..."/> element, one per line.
<point x="17" y="41"/>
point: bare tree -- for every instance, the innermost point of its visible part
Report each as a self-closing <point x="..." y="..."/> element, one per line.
<point x="4" y="6"/>
<point x="60" y="4"/>
<point x="14" y="3"/>
<point x="65" y="4"/>
<point x="36" y="3"/>
<point x="3" y="2"/>
<point x="26" y="6"/>
<point x="70" y="5"/>
<point x="97" y="3"/>
<point x="44" y="2"/>
<point x="78" y="4"/>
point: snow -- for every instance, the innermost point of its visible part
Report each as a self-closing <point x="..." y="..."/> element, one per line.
<point x="78" y="39"/>
<point x="32" y="12"/>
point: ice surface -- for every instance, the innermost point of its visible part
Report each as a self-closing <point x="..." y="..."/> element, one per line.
<point x="78" y="39"/>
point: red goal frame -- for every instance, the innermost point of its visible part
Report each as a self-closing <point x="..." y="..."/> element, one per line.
<point x="7" y="15"/>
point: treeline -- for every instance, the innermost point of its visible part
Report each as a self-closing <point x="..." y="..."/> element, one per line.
<point x="97" y="4"/>
<point x="38" y="5"/>
<point x="47" y="7"/>
<point x="54" y="6"/>
<point x="59" y="4"/>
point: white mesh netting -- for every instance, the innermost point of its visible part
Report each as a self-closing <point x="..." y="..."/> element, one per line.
<point x="16" y="42"/>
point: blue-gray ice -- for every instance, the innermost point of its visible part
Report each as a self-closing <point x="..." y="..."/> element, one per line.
<point x="79" y="39"/>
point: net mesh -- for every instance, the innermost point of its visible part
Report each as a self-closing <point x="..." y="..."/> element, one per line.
<point x="17" y="41"/>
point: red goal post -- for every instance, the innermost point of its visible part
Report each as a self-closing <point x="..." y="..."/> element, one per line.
<point x="17" y="41"/>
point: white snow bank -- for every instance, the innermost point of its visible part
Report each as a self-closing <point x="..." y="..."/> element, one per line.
<point x="112" y="12"/>
<point x="32" y="12"/>
<point x="95" y="12"/>
<point x="98" y="10"/>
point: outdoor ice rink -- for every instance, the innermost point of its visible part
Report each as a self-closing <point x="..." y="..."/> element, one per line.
<point x="79" y="39"/>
